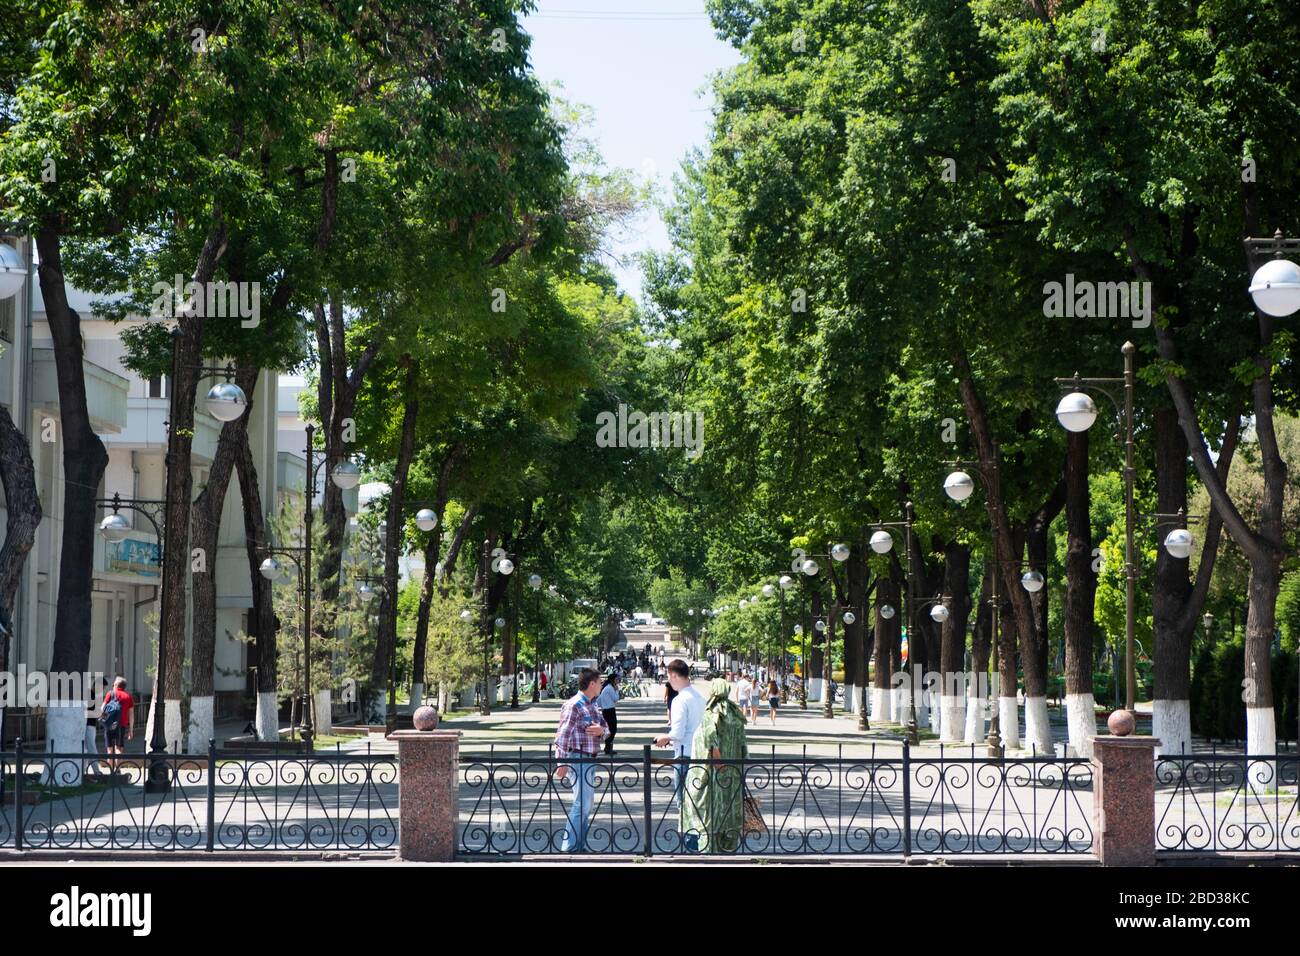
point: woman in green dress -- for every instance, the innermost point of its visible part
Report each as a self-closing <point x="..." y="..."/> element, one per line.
<point x="713" y="804"/>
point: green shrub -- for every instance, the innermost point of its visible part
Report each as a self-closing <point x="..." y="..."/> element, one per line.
<point x="1218" y="711"/>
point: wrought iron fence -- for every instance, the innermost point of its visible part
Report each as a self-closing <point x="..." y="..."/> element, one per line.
<point x="512" y="803"/>
<point x="221" y="800"/>
<point x="1213" y="802"/>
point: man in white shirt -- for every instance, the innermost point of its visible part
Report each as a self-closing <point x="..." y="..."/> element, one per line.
<point x="686" y="714"/>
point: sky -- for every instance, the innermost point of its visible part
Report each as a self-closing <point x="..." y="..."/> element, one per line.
<point x="643" y="66"/>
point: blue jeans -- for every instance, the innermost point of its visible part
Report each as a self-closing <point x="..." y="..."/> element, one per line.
<point x="584" y="789"/>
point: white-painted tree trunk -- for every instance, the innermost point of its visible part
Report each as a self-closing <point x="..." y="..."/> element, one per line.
<point x="1009" y="723"/>
<point x="850" y="699"/>
<point x="1261" y="741"/>
<point x="467" y="697"/>
<point x="1171" y="723"/>
<point x="417" y="695"/>
<point x="65" y="733"/>
<point x="952" y="712"/>
<point x="267" y="719"/>
<point x="1038" y="727"/>
<point x="324" y="716"/>
<point x="173" y="731"/>
<point x="922" y="708"/>
<point x="1081" y="718"/>
<point x="880" y="701"/>
<point x="976" y="714"/>
<point x="201" y="725"/>
<point x="903" y="704"/>
<point x="815" y="689"/>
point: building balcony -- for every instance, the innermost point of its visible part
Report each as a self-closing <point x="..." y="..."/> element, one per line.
<point x="105" y="392"/>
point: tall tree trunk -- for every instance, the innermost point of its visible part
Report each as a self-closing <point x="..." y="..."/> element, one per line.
<point x="1176" y="602"/>
<point x="432" y="549"/>
<point x="182" y="389"/>
<point x="952" y="642"/>
<point x="454" y="549"/>
<point x="205" y="530"/>
<point x="1007" y="558"/>
<point x="1008" y="641"/>
<point x="23" y="514"/>
<point x="1263" y="545"/>
<point x="816" y="688"/>
<point x="1037" y="724"/>
<point x="855" y="641"/>
<point x="386" y="645"/>
<point x="84" y="461"/>
<point x="887" y="635"/>
<point x="262" y="621"/>
<point x="1080" y="597"/>
<point x="978" y="699"/>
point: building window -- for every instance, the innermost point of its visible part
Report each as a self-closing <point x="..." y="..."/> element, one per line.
<point x="8" y="309"/>
<point x="158" y="386"/>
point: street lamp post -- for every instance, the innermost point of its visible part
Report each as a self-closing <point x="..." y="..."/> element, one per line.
<point x="784" y="583"/>
<point x="882" y="542"/>
<point x="345" y="475"/>
<point x="959" y="486"/>
<point x="494" y="560"/>
<point x="1076" y="412"/>
<point x="367" y="593"/>
<point x="115" y="528"/>
<point x="808" y="567"/>
<point x="535" y="582"/>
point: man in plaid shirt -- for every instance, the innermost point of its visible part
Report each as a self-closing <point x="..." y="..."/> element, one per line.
<point x="582" y="729"/>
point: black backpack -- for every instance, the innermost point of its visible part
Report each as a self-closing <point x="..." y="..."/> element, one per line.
<point x="110" y="715"/>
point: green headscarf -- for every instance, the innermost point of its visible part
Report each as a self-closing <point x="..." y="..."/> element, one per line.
<point x="713" y="809"/>
<point x="723" y="725"/>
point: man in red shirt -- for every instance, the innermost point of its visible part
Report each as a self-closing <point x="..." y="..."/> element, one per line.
<point x="116" y="735"/>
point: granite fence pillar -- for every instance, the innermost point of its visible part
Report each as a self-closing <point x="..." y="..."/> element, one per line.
<point x="1123" y="800"/>
<point x="428" y="764"/>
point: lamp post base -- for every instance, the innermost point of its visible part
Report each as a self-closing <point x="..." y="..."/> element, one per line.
<point x="159" y="779"/>
<point x="996" y="751"/>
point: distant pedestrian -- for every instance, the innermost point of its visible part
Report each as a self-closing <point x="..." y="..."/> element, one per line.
<point x="773" y="700"/>
<point x="580" y="731"/>
<point x="97" y="687"/>
<point x="745" y="695"/>
<point x="117" y="719"/>
<point x="607" y="701"/>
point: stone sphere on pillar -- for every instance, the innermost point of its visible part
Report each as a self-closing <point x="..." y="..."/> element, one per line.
<point x="425" y="718"/>
<point x="1121" y="723"/>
